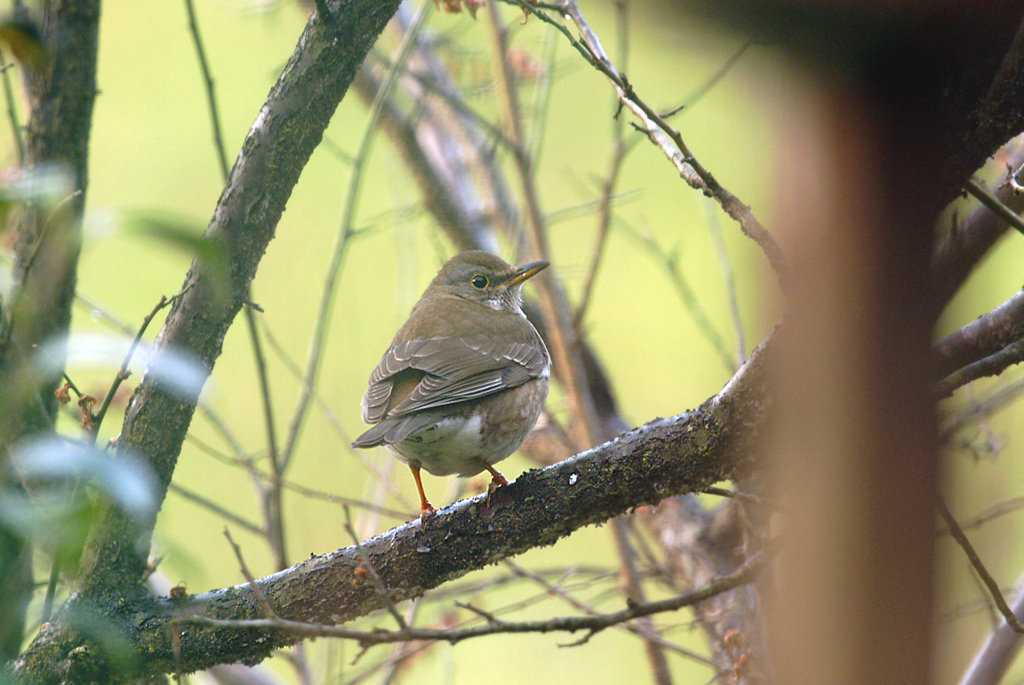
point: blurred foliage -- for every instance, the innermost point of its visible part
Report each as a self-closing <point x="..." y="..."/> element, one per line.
<point x="65" y="485"/>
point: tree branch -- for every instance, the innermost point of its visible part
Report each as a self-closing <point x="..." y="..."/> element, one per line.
<point x="993" y="587"/>
<point x="962" y="248"/>
<point x="593" y="623"/>
<point x="985" y="346"/>
<point x="682" y="454"/>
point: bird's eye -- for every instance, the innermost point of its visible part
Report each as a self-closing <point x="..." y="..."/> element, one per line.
<point x="480" y="281"/>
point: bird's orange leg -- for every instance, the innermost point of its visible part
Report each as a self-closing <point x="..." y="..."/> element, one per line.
<point x="497" y="480"/>
<point x="426" y="508"/>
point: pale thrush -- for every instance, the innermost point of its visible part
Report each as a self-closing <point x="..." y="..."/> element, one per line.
<point x="466" y="376"/>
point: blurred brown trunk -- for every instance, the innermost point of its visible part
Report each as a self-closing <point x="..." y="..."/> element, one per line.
<point x="854" y="442"/>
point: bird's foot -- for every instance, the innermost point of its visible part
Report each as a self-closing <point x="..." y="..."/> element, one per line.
<point x="497" y="480"/>
<point x="427" y="512"/>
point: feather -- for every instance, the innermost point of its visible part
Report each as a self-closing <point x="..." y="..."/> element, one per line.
<point x="448" y="370"/>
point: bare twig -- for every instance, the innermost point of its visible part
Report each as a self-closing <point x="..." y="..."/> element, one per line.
<point x="368" y="567"/>
<point x="993" y="365"/>
<point x="590" y="206"/>
<point x="64" y="203"/>
<point x="603" y="225"/>
<point x="638" y="629"/>
<point x="123" y="372"/>
<point x="272" y="496"/>
<point x="12" y="114"/>
<point x="995" y="656"/>
<point x="261" y="597"/>
<point x="668" y="139"/>
<point x="989" y="514"/>
<point x="345" y="231"/>
<point x="670" y="263"/>
<point x="744" y="496"/>
<point x="217" y="509"/>
<point x="211" y="96"/>
<point x="705" y="88"/>
<point x="561" y="333"/>
<point x="635" y="594"/>
<point x="302" y="490"/>
<point x="988" y="405"/>
<point x="972" y="556"/>
<point x="730" y="282"/>
<point x="542" y="96"/>
<point x="987" y="198"/>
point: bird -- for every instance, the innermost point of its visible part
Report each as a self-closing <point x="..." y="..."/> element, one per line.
<point x="465" y="378"/>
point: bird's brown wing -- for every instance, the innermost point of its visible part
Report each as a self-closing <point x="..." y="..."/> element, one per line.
<point x="449" y="370"/>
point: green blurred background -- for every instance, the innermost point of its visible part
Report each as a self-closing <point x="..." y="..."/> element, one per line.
<point x="152" y="152"/>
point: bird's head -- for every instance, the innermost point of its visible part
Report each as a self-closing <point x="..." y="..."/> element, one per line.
<point x="481" y="277"/>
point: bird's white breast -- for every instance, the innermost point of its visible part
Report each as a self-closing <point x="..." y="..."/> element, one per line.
<point x="448" y="447"/>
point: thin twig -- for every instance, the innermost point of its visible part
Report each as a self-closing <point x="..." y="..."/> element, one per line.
<point x="542" y="96"/>
<point x="296" y="373"/>
<point x="988" y="405"/>
<point x="670" y="263"/>
<point x="211" y="96"/>
<point x="590" y="206"/>
<point x="366" y="564"/>
<point x="273" y="505"/>
<point x="272" y="496"/>
<point x="400" y="652"/>
<point x="633" y="588"/>
<point x="51" y="588"/>
<point x="256" y="589"/>
<point x="603" y="226"/>
<point x="64" y="202"/>
<point x="704" y="88"/>
<point x="619" y="152"/>
<point x="987" y="198"/>
<point x="999" y="651"/>
<point x="692" y="171"/>
<point x="736" y="494"/>
<point x="563" y="592"/>
<point x="993" y="512"/>
<point x="992" y="365"/>
<point x="453" y="99"/>
<point x="12" y="114"/>
<point x="123" y="372"/>
<point x="986" y="577"/>
<point x="215" y="508"/>
<point x="563" y="342"/>
<point x="345" y="232"/>
<point x="302" y="490"/>
<point x="725" y="264"/>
